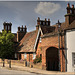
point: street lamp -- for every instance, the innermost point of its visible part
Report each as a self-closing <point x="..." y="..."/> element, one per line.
<point x="58" y="27"/>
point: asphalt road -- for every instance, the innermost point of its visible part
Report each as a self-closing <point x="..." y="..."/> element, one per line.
<point x="5" y="71"/>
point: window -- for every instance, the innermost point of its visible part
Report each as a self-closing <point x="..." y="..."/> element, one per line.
<point x="34" y="55"/>
<point x="25" y="55"/>
<point x="73" y="59"/>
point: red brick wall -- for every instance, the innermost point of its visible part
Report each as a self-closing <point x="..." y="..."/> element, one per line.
<point x="51" y="42"/>
<point x="22" y="56"/>
<point x="29" y="57"/>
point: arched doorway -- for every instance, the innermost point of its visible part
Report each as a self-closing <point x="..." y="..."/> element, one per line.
<point x="52" y="59"/>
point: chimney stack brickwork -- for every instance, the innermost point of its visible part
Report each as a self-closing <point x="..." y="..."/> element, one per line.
<point x="21" y="32"/>
<point x="7" y="26"/>
<point x="70" y="16"/>
<point x="43" y="22"/>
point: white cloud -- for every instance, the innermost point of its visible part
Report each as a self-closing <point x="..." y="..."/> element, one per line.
<point x="46" y="8"/>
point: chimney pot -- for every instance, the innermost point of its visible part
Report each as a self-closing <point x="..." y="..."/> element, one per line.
<point x="25" y="26"/>
<point x="18" y="28"/>
<point x="48" y="19"/>
<point x="25" y="29"/>
<point x="38" y="18"/>
<point x="68" y="5"/>
<point x="45" y="19"/>
<point x="22" y="26"/>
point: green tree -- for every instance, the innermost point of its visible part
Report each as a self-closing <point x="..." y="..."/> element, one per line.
<point x="6" y="45"/>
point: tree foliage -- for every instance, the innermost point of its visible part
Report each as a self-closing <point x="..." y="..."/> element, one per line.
<point x="6" y="45"/>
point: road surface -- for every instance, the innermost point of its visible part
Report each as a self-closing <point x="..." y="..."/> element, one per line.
<point x="5" y="71"/>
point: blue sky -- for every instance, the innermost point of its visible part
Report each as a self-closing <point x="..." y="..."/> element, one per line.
<point x="26" y="12"/>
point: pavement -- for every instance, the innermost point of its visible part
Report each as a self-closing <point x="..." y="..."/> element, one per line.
<point x="35" y="70"/>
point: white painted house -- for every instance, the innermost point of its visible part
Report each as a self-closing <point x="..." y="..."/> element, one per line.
<point x="70" y="46"/>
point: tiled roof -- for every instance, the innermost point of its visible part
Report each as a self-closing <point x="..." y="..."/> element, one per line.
<point x="52" y="30"/>
<point x="63" y="27"/>
<point x="28" y="41"/>
<point x="47" y="29"/>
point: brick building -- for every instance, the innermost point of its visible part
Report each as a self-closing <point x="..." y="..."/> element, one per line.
<point x="48" y="42"/>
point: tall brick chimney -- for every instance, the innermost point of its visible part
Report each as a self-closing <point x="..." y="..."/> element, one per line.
<point x="44" y="22"/>
<point x="38" y="23"/>
<point x="7" y="26"/>
<point x="70" y="16"/>
<point x="21" y="32"/>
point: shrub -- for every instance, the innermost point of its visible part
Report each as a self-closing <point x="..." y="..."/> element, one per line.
<point x="37" y="59"/>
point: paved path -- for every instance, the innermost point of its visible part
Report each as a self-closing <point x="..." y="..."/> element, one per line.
<point x="20" y="69"/>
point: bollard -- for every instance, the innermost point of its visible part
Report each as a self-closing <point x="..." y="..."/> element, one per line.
<point x="31" y="65"/>
<point x="3" y="63"/>
<point x="9" y="63"/>
<point x="25" y="63"/>
<point x="28" y="64"/>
